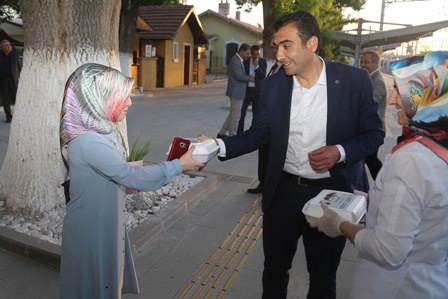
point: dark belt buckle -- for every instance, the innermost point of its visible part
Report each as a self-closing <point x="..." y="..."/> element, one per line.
<point x="300" y="183"/>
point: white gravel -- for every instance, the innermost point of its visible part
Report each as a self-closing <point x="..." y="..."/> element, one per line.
<point x="139" y="207"/>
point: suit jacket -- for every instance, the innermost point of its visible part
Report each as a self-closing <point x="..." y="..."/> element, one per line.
<point x="237" y="82"/>
<point x="260" y="72"/>
<point x="379" y="92"/>
<point x="13" y="71"/>
<point x="352" y="122"/>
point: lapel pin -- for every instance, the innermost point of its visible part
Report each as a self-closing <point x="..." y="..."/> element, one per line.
<point x="337" y="81"/>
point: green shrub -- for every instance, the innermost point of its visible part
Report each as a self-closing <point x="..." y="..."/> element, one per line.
<point x="138" y="152"/>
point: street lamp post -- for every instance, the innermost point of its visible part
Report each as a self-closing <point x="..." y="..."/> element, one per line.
<point x="384" y="3"/>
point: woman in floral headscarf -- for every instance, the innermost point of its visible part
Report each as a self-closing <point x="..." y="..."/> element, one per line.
<point x="403" y="249"/>
<point x="96" y="259"/>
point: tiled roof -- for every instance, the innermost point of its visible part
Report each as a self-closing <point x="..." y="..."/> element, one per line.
<point x="166" y="20"/>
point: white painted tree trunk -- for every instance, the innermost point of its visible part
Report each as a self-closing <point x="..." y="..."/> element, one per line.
<point x="60" y="35"/>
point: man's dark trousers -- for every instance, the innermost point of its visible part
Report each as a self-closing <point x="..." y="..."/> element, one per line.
<point x="280" y="240"/>
<point x="252" y="96"/>
<point x="374" y="164"/>
<point x="8" y="95"/>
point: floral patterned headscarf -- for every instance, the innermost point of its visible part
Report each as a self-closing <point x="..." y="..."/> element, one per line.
<point x="422" y="82"/>
<point x="94" y="97"/>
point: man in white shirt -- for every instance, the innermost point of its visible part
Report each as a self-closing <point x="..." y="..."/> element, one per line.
<point x="256" y="67"/>
<point x="263" y="152"/>
<point x="321" y="121"/>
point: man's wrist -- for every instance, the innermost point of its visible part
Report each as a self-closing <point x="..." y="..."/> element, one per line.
<point x="217" y="143"/>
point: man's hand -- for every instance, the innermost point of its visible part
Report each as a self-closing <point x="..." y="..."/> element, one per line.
<point x="202" y="137"/>
<point x="255" y="62"/>
<point x="323" y="158"/>
<point x="329" y="223"/>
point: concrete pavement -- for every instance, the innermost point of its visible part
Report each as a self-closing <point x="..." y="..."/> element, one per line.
<point x="206" y="244"/>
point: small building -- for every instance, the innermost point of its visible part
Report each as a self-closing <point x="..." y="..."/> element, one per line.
<point x="13" y="31"/>
<point x="173" y="53"/>
<point x="225" y="35"/>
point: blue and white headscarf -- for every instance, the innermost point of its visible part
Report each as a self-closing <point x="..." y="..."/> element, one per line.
<point x="422" y="82"/>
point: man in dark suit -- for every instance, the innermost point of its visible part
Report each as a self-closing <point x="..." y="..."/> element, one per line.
<point x="10" y="67"/>
<point x="256" y="67"/>
<point x="321" y="121"/>
<point x="370" y="61"/>
<point x="263" y="151"/>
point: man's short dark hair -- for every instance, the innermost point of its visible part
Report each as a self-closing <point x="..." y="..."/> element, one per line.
<point x="244" y="47"/>
<point x="254" y="48"/>
<point x="305" y="23"/>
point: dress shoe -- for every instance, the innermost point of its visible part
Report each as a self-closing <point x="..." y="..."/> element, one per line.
<point x="221" y="136"/>
<point x="8" y="120"/>
<point x="256" y="190"/>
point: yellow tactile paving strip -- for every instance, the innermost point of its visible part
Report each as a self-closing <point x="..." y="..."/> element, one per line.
<point x="215" y="276"/>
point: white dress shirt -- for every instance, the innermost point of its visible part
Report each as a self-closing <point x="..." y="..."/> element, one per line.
<point x="308" y="128"/>
<point x="251" y="73"/>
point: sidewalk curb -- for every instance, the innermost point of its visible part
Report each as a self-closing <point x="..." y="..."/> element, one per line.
<point x="28" y="246"/>
<point x="172" y="212"/>
<point x="50" y="253"/>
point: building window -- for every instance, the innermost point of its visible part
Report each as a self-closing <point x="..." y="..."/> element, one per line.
<point x="175" y="51"/>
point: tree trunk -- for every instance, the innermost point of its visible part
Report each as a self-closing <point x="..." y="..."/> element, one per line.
<point x="268" y="20"/>
<point x="128" y="24"/>
<point x="60" y="35"/>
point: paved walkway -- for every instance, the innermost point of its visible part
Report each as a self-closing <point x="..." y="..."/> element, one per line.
<point x="206" y="244"/>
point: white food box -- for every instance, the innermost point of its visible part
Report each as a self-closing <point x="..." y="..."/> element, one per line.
<point x="348" y="205"/>
<point x="204" y="151"/>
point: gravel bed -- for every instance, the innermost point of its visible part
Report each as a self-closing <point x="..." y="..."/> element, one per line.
<point x="139" y="207"/>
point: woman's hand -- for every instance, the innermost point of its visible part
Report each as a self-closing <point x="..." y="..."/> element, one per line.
<point x="188" y="163"/>
<point x="329" y="223"/>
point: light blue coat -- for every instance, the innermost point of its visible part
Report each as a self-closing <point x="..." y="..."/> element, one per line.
<point x="95" y="245"/>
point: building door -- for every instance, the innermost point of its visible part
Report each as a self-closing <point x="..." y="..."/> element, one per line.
<point x="231" y="50"/>
<point x="160" y="72"/>
<point x="187" y="50"/>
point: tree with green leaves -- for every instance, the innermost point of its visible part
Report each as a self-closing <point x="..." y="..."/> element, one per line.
<point x="327" y="12"/>
<point x="9" y="9"/>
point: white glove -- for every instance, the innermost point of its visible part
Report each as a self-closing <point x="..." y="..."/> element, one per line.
<point x="329" y="223"/>
<point x="366" y="195"/>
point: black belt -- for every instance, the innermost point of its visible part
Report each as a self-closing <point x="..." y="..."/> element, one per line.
<point x="307" y="182"/>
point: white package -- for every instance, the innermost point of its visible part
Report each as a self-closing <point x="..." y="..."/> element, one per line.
<point x="348" y="205"/>
<point x="204" y="151"/>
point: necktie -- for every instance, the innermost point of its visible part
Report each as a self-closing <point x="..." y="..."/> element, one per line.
<point x="273" y="68"/>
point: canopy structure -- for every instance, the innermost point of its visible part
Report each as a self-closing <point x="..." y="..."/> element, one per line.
<point x="355" y="43"/>
<point x="4" y="35"/>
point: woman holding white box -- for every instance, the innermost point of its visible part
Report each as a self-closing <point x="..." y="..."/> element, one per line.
<point x="403" y="249"/>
